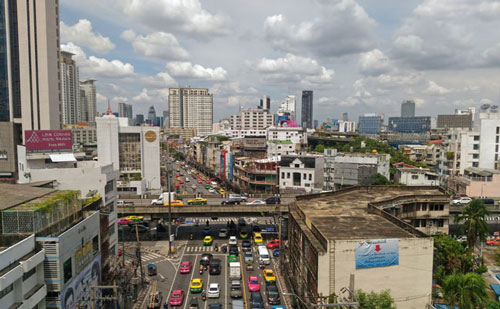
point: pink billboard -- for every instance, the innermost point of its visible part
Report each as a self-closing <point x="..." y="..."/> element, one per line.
<point x="48" y="140"/>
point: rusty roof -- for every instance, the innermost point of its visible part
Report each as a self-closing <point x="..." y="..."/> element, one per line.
<point x="13" y="194"/>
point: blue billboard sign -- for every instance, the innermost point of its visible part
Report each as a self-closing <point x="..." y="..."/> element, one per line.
<point x="377" y="253"/>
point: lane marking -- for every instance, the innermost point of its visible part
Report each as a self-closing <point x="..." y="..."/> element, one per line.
<point x="189" y="287"/>
<point x="243" y="282"/>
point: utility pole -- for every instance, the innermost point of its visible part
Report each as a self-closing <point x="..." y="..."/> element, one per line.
<point x="138" y="254"/>
<point x="169" y="200"/>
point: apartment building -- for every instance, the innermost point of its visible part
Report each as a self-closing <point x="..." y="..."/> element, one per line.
<point x="476" y="183"/>
<point x="301" y="173"/>
<point x="416" y="177"/>
<point x="256" y="175"/>
<point x="191" y="108"/>
<point x="251" y="119"/>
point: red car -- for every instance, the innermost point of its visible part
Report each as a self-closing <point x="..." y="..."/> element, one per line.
<point x="207" y="181"/>
<point x="212" y="179"/>
<point x="181" y="182"/>
<point x="176" y="298"/>
<point x="185" y="267"/>
<point x="253" y="284"/>
<point x="275" y="243"/>
<point x="177" y="175"/>
<point x="199" y="181"/>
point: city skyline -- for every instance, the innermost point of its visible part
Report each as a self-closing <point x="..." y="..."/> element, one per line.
<point x="388" y="55"/>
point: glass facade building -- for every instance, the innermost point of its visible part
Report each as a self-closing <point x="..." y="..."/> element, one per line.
<point x="370" y="124"/>
<point x="307" y="109"/>
<point x="410" y="124"/>
<point x="4" y="78"/>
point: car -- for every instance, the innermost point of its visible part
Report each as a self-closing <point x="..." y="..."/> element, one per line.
<point x="461" y="200"/>
<point x="273" y="295"/>
<point x="231" y="201"/>
<point x="233" y="249"/>
<point x="196" y="285"/>
<point x="206" y="231"/>
<point x="272" y="200"/>
<point x="198" y="201"/>
<point x="177" y="175"/>
<point x="175" y="203"/>
<point x="248" y="256"/>
<point x="232" y="240"/>
<point x="241" y="197"/>
<point x="246" y="245"/>
<point x="193" y="303"/>
<point x="176" y="298"/>
<point x="187" y="179"/>
<point x="222" y="191"/>
<point x="244" y="234"/>
<point x="194" y="187"/>
<point x="211" y="190"/>
<point x="232" y="258"/>
<point x="207" y="187"/>
<point x="222" y="233"/>
<point x="199" y="181"/>
<point x="274" y="244"/>
<point x="213" y="290"/>
<point x="124" y="221"/>
<point x="257" y="238"/>
<point x="181" y="182"/>
<point x="135" y="218"/>
<point x="256" y="301"/>
<point x="185" y="267"/>
<point x="152" y="270"/>
<point x="215" y="267"/>
<point x="140" y="228"/>
<point x="253" y="284"/>
<point x="269" y="275"/>
<point x="207" y="182"/>
<point x="215" y="306"/>
<point x="256" y="202"/>
<point x="256" y="228"/>
<point x="206" y="258"/>
<point x="208" y="240"/>
<point x="236" y="291"/>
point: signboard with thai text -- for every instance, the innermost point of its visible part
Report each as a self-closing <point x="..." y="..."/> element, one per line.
<point x="377" y="253"/>
<point x="48" y="141"/>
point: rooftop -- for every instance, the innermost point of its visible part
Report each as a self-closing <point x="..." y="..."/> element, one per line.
<point x="343" y="214"/>
<point x="13" y="195"/>
<point x="485" y="172"/>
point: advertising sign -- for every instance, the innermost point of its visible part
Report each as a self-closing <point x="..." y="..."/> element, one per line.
<point x="377" y="253"/>
<point x="48" y="140"/>
<point x="78" y="292"/>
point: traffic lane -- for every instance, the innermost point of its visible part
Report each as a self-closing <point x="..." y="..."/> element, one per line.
<point x="192" y="275"/>
<point x="222" y="280"/>
<point x="164" y="277"/>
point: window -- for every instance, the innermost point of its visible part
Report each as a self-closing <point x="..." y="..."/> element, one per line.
<point x="496" y="148"/>
<point x="282" y="174"/>
<point x="6" y="291"/>
<point x="475" y="164"/>
<point x="497" y="139"/>
<point x="310" y="176"/>
<point x="305" y="176"/>
<point x="414" y="177"/>
<point x="475" y="147"/>
<point x="297" y="165"/>
<point x="475" y="156"/>
<point x="424" y="208"/>
<point x="67" y="271"/>
<point x="95" y="243"/>
<point x="498" y="130"/>
<point x="29" y="273"/>
<point x="476" y="138"/>
<point x="112" y="230"/>
<point x="307" y="184"/>
<point x="284" y="183"/>
<point x="288" y="175"/>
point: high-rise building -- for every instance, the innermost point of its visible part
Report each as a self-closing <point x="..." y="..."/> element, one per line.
<point x="191" y="108"/>
<point x="410" y="124"/>
<point x="29" y="63"/>
<point x="70" y="90"/>
<point x="265" y="103"/>
<point x="125" y="110"/>
<point x="152" y="115"/>
<point x="139" y="119"/>
<point x="288" y="107"/>
<point x="307" y="109"/>
<point x="251" y="119"/>
<point x="165" y="119"/>
<point x="88" y="98"/>
<point x="316" y="123"/>
<point x="408" y="109"/>
<point x="371" y="123"/>
<point x="345" y="117"/>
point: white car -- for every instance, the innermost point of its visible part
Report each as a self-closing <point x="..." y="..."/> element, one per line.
<point x="256" y="202"/>
<point x="213" y="290"/>
<point x="232" y="240"/>
<point x="211" y="190"/>
<point x="461" y="200"/>
<point x="187" y="179"/>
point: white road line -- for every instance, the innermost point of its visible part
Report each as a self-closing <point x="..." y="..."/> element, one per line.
<point x="225" y="284"/>
<point x="189" y="288"/>
<point x="167" y="297"/>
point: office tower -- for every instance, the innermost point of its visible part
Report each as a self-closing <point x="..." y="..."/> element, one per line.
<point x="139" y="119"/>
<point x="371" y="123"/>
<point x="410" y="124"/>
<point x="125" y="110"/>
<point x="70" y="90"/>
<point x="307" y="109"/>
<point x="191" y="108"/>
<point x="316" y="124"/>
<point x="265" y="103"/>
<point x="408" y="109"/>
<point x="345" y="117"/>
<point x="29" y="54"/>
<point x="165" y="119"/>
<point x="88" y="93"/>
<point x="152" y="115"/>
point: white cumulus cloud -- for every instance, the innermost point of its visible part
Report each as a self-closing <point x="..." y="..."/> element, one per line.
<point x="82" y="34"/>
<point x="374" y="62"/>
<point x="195" y="71"/>
<point x="159" y="45"/>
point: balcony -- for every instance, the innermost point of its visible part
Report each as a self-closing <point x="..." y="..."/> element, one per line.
<point x="33" y="261"/>
<point x="35" y="295"/>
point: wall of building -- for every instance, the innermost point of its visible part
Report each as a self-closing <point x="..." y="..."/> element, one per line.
<point x="415" y="178"/>
<point x="10" y="137"/>
<point x="484" y="188"/>
<point x="489" y="147"/>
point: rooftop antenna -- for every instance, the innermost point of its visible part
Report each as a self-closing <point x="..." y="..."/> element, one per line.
<point x="109" y="111"/>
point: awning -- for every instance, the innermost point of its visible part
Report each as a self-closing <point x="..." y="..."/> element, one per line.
<point x="63" y="157"/>
<point x="495" y="288"/>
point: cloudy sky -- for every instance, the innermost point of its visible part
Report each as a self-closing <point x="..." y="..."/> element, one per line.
<point x="357" y="56"/>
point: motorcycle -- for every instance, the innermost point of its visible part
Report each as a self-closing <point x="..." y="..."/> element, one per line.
<point x="224" y="249"/>
<point x="203" y="296"/>
<point x="201" y="270"/>
<point x="216" y="248"/>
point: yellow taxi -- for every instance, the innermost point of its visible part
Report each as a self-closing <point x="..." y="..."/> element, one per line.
<point x="208" y="240"/>
<point x="222" y="191"/>
<point x="135" y="218"/>
<point x="175" y="203"/>
<point x="269" y="275"/>
<point x="196" y="285"/>
<point x="257" y="238"/>
<point x="198" y="201"/>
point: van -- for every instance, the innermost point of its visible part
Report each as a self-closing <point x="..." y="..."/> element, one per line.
<point x="214" y="267"/>
<point x="238" y="304"/>
<point x="263" y="255"/>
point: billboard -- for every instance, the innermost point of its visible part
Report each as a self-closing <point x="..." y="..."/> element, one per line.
<point x="377" y="253"/>
<point x="78" y="292"/>
<point x="48" y="140"/>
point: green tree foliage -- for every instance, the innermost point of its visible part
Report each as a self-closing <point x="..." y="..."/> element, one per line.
<point x="372" y="300"/>
<point x="467" y="291"/>
<point x="379" y="179"/>
<point x="493" y="305"/>
<point x="319" y="148"/>
<point x="474" y="222"/>
<point x="450" y="256"/>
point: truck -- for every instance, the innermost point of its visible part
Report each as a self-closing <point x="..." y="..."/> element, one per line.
<point x="234" y="271"/>
<point x="163" y="198"/>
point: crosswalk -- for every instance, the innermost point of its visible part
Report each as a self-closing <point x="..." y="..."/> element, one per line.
<point x="202" y="220"/>
<point x="192" y="249"/>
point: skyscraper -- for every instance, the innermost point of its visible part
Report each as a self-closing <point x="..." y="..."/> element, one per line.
<point x="165" y="119"/>
<point x="345" y="117"/>
<point x="152" y="115"/>
<point x="139" y="119"/>
<point x="30" y="35"/>
<point x="265" y="103"/>
<point x="408" y="109"/>
<point x="70" y="91"/>
<point x="307" y="109"/>
<point x="88" y="100"/>
<point x="191" y="108"/>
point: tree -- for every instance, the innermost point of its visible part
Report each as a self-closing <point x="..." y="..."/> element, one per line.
<point x="493" y="305"/>
<point x="319" y="148"/>
<point x="467" y="291"/>
<point x="379" y="179"/>
<point x="450" y="256"/>
<point x="372" y="300"/>
<point x="474" y="224"/>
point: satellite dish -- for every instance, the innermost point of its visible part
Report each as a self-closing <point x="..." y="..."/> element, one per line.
<point x="485" y="107"/>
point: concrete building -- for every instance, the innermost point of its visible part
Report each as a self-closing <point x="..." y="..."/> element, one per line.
<point x="256" y="175"/>
<point x="265" y="103"/>
<point x="125" y="111"/>
<point x="408" y="109"/>
<point x="242" y="133"/>
<point x="300" y="173"/>
<point x="72" y="110"/>
<point x="22" y="282"/>
<point x="30" y="46"/>
<point x="251" y="119"/>
<point x="88" y="100"/>
<point x="84" y="135"/>
<point x="184" y="133"/>
<point x="295" y="135"/>
<point x="346" y="239"/>
<point x="288" y="107"/>
<point x="151" y="116"/>
<point x="283" y="148"/>
<point x="345" y="116"/>
<point x="410" y="124"/>
<point x="370" y="123"/>
<point x="134" y="151"/>
<point x="191" y="108"/>
<point x="476" y="183"/>
<point x="428" y="154"/>
<point x="139" y="119"/>
<point x="10" y="137"/>
<point x="454" y="121"/>
<point x="416" y="177"/>
<point x="347" y="126"/>
<point x="307" y="109"/>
